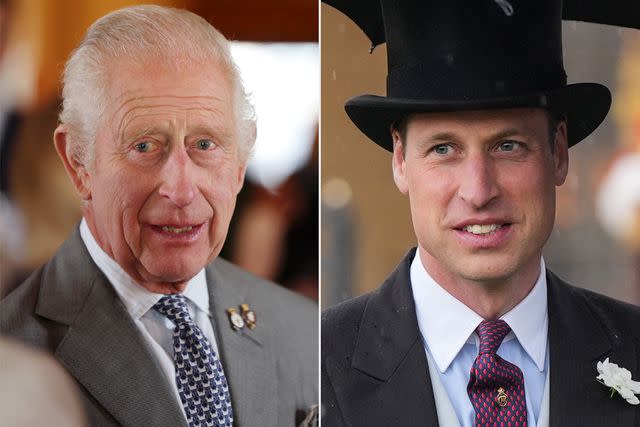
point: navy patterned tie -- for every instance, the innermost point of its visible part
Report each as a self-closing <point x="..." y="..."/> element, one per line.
<point x="496" y="387"/>
<point x="201" y="382"/>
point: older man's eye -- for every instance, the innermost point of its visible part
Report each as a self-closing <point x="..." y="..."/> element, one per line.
<point x="204" y="144"/>
<point x="144" y="147"/>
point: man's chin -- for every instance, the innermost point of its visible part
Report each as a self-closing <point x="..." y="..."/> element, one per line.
<point x="488" y="273"/>
<point x="165" y="280"/>
<point x="164" y="287"/>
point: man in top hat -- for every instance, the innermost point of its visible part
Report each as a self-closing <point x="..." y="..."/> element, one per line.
<point x="471" y="329"/>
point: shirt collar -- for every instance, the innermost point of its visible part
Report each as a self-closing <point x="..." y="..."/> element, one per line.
<point x="529" y="320"/>
<point x="446" y="324"/>
<point x="137" y="299"/>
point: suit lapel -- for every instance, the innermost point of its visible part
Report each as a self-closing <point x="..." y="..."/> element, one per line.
<point x="578" y="338"/>
<point x="249" y="363"/>
<point x="389" y="382"/>
<point x="102" y="349"/>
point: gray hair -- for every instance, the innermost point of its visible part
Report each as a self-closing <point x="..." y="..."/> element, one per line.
<point x="134" y="32"/>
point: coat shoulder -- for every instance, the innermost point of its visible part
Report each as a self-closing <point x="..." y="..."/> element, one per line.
<point x="340" y="325"/>
<point x="21" y="301"/>
<point x="19" y="319"/>
<point x="617" y="315"/>
<point x="619" y="318"/>
<point x="286" y="305"/>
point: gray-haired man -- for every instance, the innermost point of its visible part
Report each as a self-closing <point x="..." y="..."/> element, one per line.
<point x="155" y="133"/>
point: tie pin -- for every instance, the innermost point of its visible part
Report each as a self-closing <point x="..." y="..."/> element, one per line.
<point x="501" y="398"/>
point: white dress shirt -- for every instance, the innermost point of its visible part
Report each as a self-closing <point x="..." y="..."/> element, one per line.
<point x="154" y="327"/>
<point x="448" y="333"/>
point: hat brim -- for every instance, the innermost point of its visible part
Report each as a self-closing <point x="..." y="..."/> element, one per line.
<point x="585" y="106"/>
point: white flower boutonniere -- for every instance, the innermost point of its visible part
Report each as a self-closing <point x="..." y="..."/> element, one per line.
<point x="619" y="379"/>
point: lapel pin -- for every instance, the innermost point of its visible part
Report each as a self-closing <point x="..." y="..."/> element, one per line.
<point x="235" y="319"/>
<point x="501" y="398"/>
<point x="248" y="315"/>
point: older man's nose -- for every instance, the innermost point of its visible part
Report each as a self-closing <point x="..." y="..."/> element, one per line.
<point x="178" y="178"/>
<point x="477" y="184"/>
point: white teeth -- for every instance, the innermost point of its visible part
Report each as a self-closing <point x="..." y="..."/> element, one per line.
<point x="176" y="230"/>
<point x="481" y="229"/>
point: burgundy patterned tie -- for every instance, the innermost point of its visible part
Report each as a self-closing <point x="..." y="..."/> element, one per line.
<point x="496" y="387"/>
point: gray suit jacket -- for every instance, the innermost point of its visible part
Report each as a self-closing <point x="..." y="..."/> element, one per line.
<point x="69" y="308"/>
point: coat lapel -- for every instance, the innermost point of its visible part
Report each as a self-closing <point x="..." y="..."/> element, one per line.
<point x="578" y="339"/>
<point x="388" y="383"/>
<point x="102" y="348"/>
<point x="249" y="363"/>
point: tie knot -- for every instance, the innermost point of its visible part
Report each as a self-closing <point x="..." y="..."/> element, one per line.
<point x="174" y="307"/>
<point x="491" y="333"/>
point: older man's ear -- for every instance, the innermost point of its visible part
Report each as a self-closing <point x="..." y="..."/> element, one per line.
<point x="76" y="170"/>
<point x="242" y="171"/>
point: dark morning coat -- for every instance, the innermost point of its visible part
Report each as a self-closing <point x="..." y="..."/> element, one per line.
<point x="375" y="372"/>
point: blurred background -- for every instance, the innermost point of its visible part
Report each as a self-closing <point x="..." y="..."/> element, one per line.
<point x="274" y="232"/>
<point x="366" y="225"/>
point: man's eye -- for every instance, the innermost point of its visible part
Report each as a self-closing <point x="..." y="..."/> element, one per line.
<point x="204" y="144"/>
<point x="442" y="149"/>
<point x="144" y="147"/>
<point x="509" y="145"/>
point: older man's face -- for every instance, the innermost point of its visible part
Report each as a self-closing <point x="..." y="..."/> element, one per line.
<point x="481" y="186"/>
<point x="166" y="171"/>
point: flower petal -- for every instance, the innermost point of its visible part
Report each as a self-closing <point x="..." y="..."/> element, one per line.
<point x="633" y="400"/>
<point x="634" y="386"/>
<point x="625" y="393"/>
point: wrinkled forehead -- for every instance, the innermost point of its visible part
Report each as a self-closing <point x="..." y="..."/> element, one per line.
<point x="178" y="85"/>
<point x="177" y="75"/>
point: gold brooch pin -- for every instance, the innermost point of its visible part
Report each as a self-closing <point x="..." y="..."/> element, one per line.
<point x="501" y="398"/>
<point x="237" y="322"/>
<point x="248" y="315"/>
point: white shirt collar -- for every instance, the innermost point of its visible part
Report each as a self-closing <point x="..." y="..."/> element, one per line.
<point x="137" y="299"/>
<point x="446" y="324"/>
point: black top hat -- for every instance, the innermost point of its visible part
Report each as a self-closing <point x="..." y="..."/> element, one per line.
<point x="467" y="55"/>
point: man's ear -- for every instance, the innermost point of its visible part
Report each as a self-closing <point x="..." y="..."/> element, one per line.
<point x="76" y="170"/>
<point x="242" y="170"/>
<point x="398" y="163"/>
<point x="244" y="155"/>
<point x="561" y="154"/>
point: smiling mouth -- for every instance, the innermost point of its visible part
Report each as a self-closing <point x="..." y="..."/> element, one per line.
<point x="483" y="229"/>
<point x="176" y="230"/>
